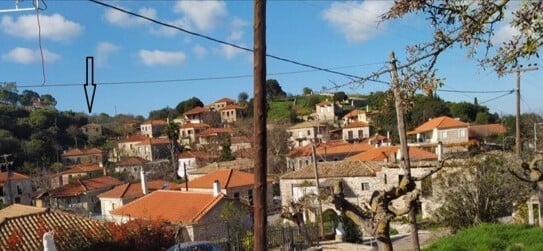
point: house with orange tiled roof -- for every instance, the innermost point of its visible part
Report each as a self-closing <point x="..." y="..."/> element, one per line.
<point x="126" y="147"/>
<point x="28" y="224"/>
<point x="15" y="189"/>
<point x="80" y="195"/>
<point x="236" y="184"/>
<point x="213" y="135"/>
<point x="199" y="213"/>
<point x="202" y="115"/>
<point x="76" y="172"/>
<point x="392" y="154"/>
<point x="190" y="160"/>
<point x="77" y="156"/>
<point x="92" y="130"/>
<point x="241" y="164"/>
<point x="153" y="149"/>
<point x="453" y="133"/>
<point x="330" y="151"/>
<point x="327" y="111"/>
<point x="487" y="134"/>
<point x="152" y="128"/>
<point x="355" y="131"/>
<point x="231" y="113"/>
<point x="358" y="178"/>
<point x="189" y="132"/>
<point x="221" y="103"/>
<point x="130" y="166"/>
<point x="358" y="115"/>
<point x="308" y="132"/>
<point x="125" y="193"/>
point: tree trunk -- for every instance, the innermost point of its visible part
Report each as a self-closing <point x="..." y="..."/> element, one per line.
<point x="405" y="162"/>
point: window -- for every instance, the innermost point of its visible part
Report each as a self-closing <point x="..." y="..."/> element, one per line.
<point x="385" y="178"/>
<point x="19" y="190"/>
<point x="236" y="195"/>
<point x="1" y="191"/>
<point x="360" y="134"/>
<point x="308" y="133"/>
<point x="17" y="199"/>
<point x="444" y="135"/>
<point x="250" y="196"/>
<point x="365" y="186"/>
<point x="462" y="132"/>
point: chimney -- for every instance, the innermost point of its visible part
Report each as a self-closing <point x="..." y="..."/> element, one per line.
<point x="439" y="151"/>
<point x="143" y="180"/>
<point x="101" y="165"/>
<point x="367" y="108"/>
<point x="216" y="188"/>
<point x="399" y="156"/>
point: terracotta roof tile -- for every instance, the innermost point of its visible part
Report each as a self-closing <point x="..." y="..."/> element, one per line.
<point x="307" y="124"/>
<point x="333" y="147"/>
<point x="194" y="125"/>
<point x="131" y="161"/>
<point x="155" y="141"/>
<point x="134" y="138"/>
<point x="232" y="107"/>
<point x="182" y="207"/>
<point x="388" y="153"/>
<point x="352" y="114"/>
<point x="225" y="100"/>
<point x="195" y="154"/>
<point x="356" y="124"/>
<point x="78" y="152"/>
<point x="14" y="176"/>
<point x="81" y="186"/>
<point x="133" y="190"/>
<point x="196" y="110"/>
<point x="443" y="122"/>
<point x="334" y="169"/>
<point x="216" y="131"/>
<point x="486" y="130"/>
<point x="227" y="178"/>
<point x="237" y="164"/>
<point x="81" y="168"/>
<point x="154" y="122"/>
<point x="71" y="231"/>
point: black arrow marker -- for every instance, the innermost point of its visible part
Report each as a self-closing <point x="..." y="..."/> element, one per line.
<point x="89" y="104"/>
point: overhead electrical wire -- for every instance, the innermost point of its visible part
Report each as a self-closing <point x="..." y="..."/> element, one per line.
<point x="181" y="80"/>
<point x="501" y="96"/>
<point x="460" y="91"/>
<point x="351" y="76"/>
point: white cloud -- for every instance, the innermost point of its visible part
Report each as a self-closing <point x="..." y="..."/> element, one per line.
<point x="122" y="19"/>
<point x="54" y="27"/>
<point x="23" y="55"/>
<point x="203" y="15"/>
<point x="170" y="32"/>
<point x="230" y="52"/>
<point x="238" y="25"/>
<point x="503" y="34"/>
<point x="103" y="50"/>
<point x="157" y="57"/>
<point x="199" y="51"/>
<point x="358" y="21"/>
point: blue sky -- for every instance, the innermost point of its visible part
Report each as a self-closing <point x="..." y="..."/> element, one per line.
<point x="343" y="35"/>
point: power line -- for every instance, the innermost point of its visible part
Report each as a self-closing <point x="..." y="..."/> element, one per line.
<point x="228" y="43"/>
<point x="462" y="91"/>
<point x="503" y="95"/>
<point x="184" y="79"/>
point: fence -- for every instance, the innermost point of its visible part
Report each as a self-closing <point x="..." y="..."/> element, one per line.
<point x="279" y="236"/>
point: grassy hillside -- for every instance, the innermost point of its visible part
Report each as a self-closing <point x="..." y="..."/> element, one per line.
<point x="302" y="105"/>
<point x="493" y="237"/>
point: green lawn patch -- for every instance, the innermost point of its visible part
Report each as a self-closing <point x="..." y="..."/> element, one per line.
<point x="493" y="237"/>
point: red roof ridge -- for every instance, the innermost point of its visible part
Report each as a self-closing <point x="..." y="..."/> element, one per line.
<point x="206" y="208"/>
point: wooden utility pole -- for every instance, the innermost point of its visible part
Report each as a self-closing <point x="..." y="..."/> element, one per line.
<point x="405" y="162"/>
<point x="317" y="185"/>
<point x="259" y="131"/>
<point x="518" y="70"/>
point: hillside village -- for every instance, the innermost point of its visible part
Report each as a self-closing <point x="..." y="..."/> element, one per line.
<point x="212" y="167"/>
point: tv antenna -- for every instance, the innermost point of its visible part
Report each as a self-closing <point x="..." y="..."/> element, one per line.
<point x="36" y="6"/>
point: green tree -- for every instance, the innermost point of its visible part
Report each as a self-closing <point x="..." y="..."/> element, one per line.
<point x="42" y="118"/>
<point x="163" y="113"/>
<point x="483" y="190"/>
<point x="274" y="90"/>
<point x="340" y="96"/>
<point x="243" y="97"/>
<point x="27" y="97"/>
<point x="188" y="104"/>
<point x="226" y="152"/>
<point x="236" y="217"/>
<point x="172" y="131"/>
<point x="8" y="93"/>
<point x="307" y="91"/>
<point x="48" y="100"/>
